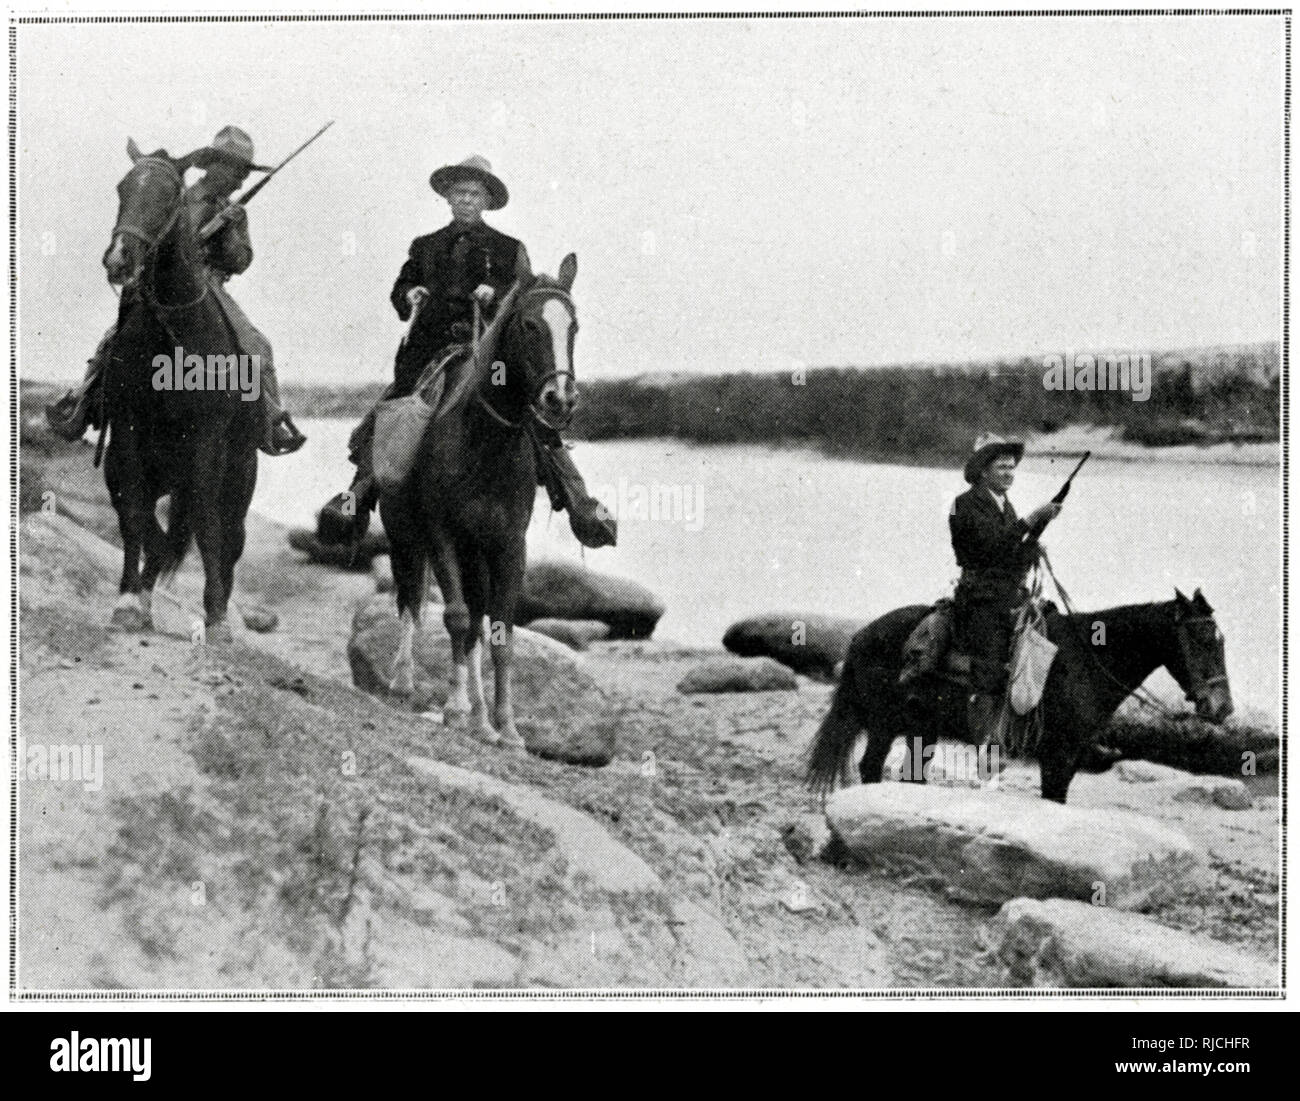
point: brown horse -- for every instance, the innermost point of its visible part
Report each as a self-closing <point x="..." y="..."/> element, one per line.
<point x="197" y="444"/>
<point x="1087" y="683"/>
<point x="468" y="501"/>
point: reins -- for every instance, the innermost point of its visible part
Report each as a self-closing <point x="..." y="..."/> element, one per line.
<point x="1139" y="693"/>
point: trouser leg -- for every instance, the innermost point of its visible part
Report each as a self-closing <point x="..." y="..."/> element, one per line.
<point x="591" y="521"/>
<point x="988" y="633"/>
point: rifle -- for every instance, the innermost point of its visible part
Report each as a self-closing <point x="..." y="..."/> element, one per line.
<point x="222" y="217"/>
<point x="1065" y="489"/>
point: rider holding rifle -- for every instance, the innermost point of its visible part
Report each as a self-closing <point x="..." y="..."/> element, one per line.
<point x="995" y="550"/>
<point x="222" y="227"/>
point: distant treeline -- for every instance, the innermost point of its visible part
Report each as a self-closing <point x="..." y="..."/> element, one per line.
<point x="932" y="413"/>
<point x="915" y="412"/>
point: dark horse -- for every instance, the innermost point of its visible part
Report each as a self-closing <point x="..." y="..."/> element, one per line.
<point x="199" y="445"/>
<point x="1103" y="658"/>
<point x="469" y="498"/>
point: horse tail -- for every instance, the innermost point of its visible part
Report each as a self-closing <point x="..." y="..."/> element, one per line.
<point x="180" y="531"/>
<point x="833" y="743"/>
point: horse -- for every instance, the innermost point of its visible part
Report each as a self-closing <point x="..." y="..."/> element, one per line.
<point x="466" y="505"/>
<point x="197" y="445"/>
<point x="1103" y="657"/>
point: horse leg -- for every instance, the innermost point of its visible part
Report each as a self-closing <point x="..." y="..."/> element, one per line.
<point x="210" y="459"/>
<point x="507" y="581"/>
<point x="124" y="474"/>
<point x="1056" y="767"/>
<point x="455" y="614"/>
<point x="871" y="769"/>
<point x="241" y="479"/>
<point x="475" y="583"/>
<point x="403" y="682"/>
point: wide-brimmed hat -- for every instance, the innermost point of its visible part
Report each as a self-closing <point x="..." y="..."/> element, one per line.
<point x="232" y="146"/>
<point x="472" y="168"/>
<point x="987" y="448"/>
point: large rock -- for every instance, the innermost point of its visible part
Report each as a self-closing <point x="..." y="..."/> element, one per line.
<point x="738" y="675"/>
<point x="807" y="643"/>
<point x="568" y="590"/>
<point x="990" y="847"/>
<point x="342" y="557"/>
<point x="577" y="634"/>
<point x="1238" y="747"/>
<point x="1183" y="787"/>
<point x="1058" y="943"/>
<point x="561" y="712"/>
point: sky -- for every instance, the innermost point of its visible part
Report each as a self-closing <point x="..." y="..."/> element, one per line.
<point x="741" y="194"/>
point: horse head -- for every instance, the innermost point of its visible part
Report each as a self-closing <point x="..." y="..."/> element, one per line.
<point x="150" y="205"/>
<point x="537" y="345"/>
<point x="1198" y="663"/>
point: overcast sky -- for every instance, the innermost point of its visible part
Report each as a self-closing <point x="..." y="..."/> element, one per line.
<point x="740" y="194"/>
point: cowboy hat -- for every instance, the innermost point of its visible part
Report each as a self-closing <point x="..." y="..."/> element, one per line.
<point x="987" y="448"/>
<point x="231" y="145"/>
<point x="472" y="168"/>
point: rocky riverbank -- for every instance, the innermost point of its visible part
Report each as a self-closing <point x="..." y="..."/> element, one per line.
<point x="261" y="822"/>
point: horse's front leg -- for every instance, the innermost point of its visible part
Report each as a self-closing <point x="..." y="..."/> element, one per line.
<point x="477" y="701"/>
<point x="507" y="581"/>
<point x="124" y="475"/>
<point x="455" y="614"/>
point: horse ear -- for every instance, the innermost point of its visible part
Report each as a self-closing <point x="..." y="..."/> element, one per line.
<point x="1178" y="595"/>
<point x="1198" y="598"/>
<point x="132" y="150"/>
<point x="568" y="271"/>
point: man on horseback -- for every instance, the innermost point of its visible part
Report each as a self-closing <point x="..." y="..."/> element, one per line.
<point x="995" y="550"/>
<point x="446" y="274"/>
<point x="229" y="251"/>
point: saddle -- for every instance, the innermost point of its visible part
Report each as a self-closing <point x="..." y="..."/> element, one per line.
<point x="932" y="650"/>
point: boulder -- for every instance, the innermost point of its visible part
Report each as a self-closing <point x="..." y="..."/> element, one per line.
<point x="342" y="557"/>
<point x="568" y="590"/>
<point x="561" y="712"/>
<point x="1196" y="746"/>
<point x="1183" y="787"/>
<point x="990" y="847"/>
<point x="577" y="634"/>
<point x="259" y="619"/>
<point x="1059" y="943"/>
<point x="738" y="675"/>
<point x="813" y="644"/>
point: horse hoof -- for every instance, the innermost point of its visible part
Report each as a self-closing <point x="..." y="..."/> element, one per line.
<point x="403" y="683"/>
<point x="217" y="634"/>
<point x="129" y="618"/>
<point x="486" y="732"/>
<point x="509" y="739"/>
<point x="453" y="718"/>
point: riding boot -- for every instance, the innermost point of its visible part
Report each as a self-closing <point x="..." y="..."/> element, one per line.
<point x="78" y="408"/>
<point x="280" y="436"/>
<point x="984" y="718"/>
<point x="592" y="523"/>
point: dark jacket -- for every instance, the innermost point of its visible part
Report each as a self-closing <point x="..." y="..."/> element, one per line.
<point x="994" y="547"/>
<point x="229" y="251"/>
<point x="450" y="264"/>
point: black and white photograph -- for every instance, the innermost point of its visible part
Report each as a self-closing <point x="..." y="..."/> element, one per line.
<point x="522" y="503"/>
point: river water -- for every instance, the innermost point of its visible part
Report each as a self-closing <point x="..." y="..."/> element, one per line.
<point x="720" y="533"/>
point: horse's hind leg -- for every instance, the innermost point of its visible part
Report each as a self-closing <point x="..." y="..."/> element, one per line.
<point x="210" y="460"/>
<point x="235" y="501"/>
<point x="476" y="583"/>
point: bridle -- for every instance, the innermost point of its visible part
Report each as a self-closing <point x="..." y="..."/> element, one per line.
<point x="1200" y="685"/>
<point x="152" y="242"/>
<point x="534" y="411"/>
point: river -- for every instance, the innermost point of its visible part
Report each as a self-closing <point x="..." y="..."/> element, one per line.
<point x="720" y="533"/>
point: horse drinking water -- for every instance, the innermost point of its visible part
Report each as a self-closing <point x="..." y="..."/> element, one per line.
<point x="198" y="445"/>
<point x="466" y="505"/>
<point x="1087" y="683"/>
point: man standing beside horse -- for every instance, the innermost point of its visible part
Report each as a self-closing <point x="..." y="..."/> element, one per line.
<point x="449" y="277"/>
<point x="227" y="162"/>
